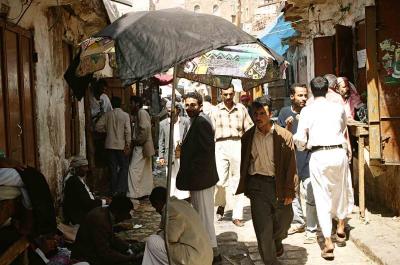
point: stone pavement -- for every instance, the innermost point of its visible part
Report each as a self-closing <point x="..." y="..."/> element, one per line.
<point x="378" y="236"/>
<point x="238" y="245"/>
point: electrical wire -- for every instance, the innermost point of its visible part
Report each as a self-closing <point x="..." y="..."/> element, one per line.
<point x="277" y="31"/>
<point x="23" y="13"/>
<point x="291" y="23"/>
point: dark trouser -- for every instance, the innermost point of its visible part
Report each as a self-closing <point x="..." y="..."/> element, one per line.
<point x="119" y="166"/>
<point x="271" y="218"/>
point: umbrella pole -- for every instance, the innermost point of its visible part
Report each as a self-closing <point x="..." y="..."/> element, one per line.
<point x="169" y="165"/>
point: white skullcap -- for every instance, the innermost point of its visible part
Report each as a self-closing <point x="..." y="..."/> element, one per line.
<point x="78" y="161"/>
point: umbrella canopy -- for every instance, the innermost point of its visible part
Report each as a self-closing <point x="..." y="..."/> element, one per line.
<point x="147" y="43"/>
<point x="252" y="63"/>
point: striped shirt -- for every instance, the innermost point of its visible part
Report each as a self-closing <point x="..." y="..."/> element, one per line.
<point x="231" y="123"/>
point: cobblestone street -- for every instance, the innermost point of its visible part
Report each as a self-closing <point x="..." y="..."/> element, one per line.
<point x="238" y="245"/>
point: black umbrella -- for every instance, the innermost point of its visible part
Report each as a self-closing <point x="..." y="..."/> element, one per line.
<point x="147" y="43"/>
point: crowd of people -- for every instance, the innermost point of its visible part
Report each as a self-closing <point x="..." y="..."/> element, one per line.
<point x="220" y="153"/>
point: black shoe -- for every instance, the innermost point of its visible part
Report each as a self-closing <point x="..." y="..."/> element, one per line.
<point x="145" y="197"/>
<point x="217" y="259"/>
<point x="280" y="252"/>
<point x="220" y="213"/>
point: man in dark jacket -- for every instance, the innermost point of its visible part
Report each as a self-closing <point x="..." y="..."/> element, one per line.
<point x="198" y="171"/>
<point x="95" y="241"/>
<point x="267" y="177"/>
<point x="78" y="200"/>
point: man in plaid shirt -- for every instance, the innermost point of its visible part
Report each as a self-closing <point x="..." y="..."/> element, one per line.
<point x="230" y="121"/>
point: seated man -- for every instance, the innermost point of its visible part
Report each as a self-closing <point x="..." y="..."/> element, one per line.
<point x="78" y="200"/>
<point x="37" y="198"/>
<point x="96" y="243"/>
<point x="188" y="240"/>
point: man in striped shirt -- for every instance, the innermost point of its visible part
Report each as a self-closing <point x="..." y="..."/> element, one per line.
<point x="230" y="121"/>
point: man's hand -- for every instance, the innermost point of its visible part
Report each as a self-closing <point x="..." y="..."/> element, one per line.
<point x="287" y="201"/>
<point x="289" y="122"/>
<point x="349" y="154"/>
<point x="162" y="161"/>
<point x="108" y="200"/>
<point x="127" y="150"/>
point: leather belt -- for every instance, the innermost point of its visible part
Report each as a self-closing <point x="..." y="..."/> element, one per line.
<point x="326" y="147"/>
<point x="261" y="176"/>
<point x="236" y="138"/>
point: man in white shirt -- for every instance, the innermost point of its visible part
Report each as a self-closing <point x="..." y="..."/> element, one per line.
<point x="99" y="102"/>
<point x="116" y="124"/>
<point x="321" y="129"/>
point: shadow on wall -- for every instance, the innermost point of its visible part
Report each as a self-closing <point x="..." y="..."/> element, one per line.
<point x="382" y="188"/>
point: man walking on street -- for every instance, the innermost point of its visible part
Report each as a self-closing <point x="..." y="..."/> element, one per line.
<point x="140" y="168"/>
<point x="181" y="126"/>
<point x="230" y="121"/>
<point x="198" y="172"/>
<point x="321" y="129"/>
<point x="267" y="177"/>
<point x="289" y="118"/>
<point x="116" y="124"/>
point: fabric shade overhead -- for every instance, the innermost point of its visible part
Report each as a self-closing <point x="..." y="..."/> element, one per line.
<point x="148" y="43"/>
<point x="276" y="33"/>
<point x="252" y="63"/>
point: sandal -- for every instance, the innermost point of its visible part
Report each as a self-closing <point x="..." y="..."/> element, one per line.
<point x="327" y="254"/>
<point x="340" y="240"/>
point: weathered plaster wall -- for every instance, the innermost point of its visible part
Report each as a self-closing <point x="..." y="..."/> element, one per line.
<point x="320" y="20"/>
<point x="51" y="26"/>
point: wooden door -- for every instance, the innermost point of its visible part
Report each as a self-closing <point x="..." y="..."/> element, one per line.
<point x="344" y="52"/>
<point x="72" y="137"/>
<point x="3" y="135"/>
<point x="360" y="45"/>
<point x="14" y="119"/>
<point x="324" y="58"/>
<point x="17" y="125"/>
<point x="27" y="97"/>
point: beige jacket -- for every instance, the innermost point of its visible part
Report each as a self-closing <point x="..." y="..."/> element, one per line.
<point x="142" y="133"/>
<point x="188" y="240"/>
<point x="116" y="124"/>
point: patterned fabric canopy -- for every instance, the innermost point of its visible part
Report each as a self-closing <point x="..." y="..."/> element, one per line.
<point x="252" y="63"/>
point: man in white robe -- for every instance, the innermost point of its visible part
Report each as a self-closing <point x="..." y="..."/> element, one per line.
<point x="140" y="180"/>
<point x="321" y="129"/>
